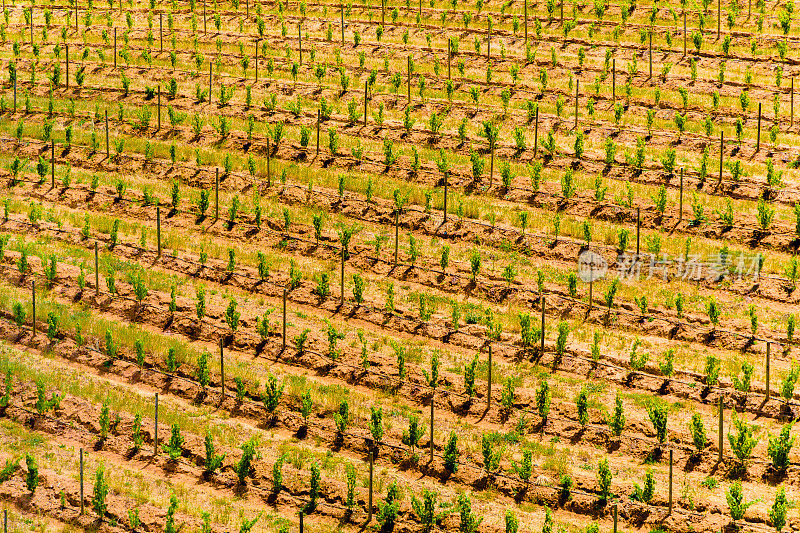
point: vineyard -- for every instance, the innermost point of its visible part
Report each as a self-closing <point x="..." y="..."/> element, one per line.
<point x="490" y="266"/>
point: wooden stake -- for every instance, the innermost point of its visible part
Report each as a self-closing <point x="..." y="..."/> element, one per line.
<point x="444" y="209"/>
<point x="615" y="518"/>
<point x="396" y="234"/>
<point x="613" y="80"/>
<point x="80" y="454"/>
<point x="284" y="321"/>
<point x="536" y="133"/>
<point x="650" y="47"/>
<point x="318" y="119"/>
<point x="269" y="178"/>
<point x="96" y="269"/>
<point x="766" y="371"/>
<point x="210" y="76"/>
<point x="115" y="45"/>
<point x="159" y="107"/>
<point x="433" y="397"/>
<point x="721" y="149"/>
<point x="53" y="164"/>
<point x="16" y="74"/>
<point x="638" y="229"/>
<point x="66" y="57"/>
<point x="541" y="354"/>
<point x="342" y="276"/>
<point x="383" y="12"/>
<point x="489" y="380"/>
<point x="684" y="32"/>
<point x="369" y="505"/>
<point x="721" y="412"/>
<point x="409" y="80"/>
<point x="670" y="481"/>
<point x="577" y="89"/>
<point x="300" y="524"/>
<point x="491" y="164"/>
<point x="300" y="42"/>
<point x="5" y="511"/>
<point x="525" y="17"/>
<point x="161" y="30"/>
<point x="719" y="18"/>
<point x="256" y="60"/>
<point x="758" y="132"/>
<point x="158" y="229"/>
<point x="216" y="196"/>
<point x="155" y="432"/>
<point x="791" y="106"/>
<point x="489" y="42"/>
<point x="342" y="12"/>
<point x="222" y="368"/>
<point x="108" y="151"/>
<point x="33" y="305"/>
<point x="366" y="93"/>
<point x="449" y="53"/>
<point x="205" y="30"/>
